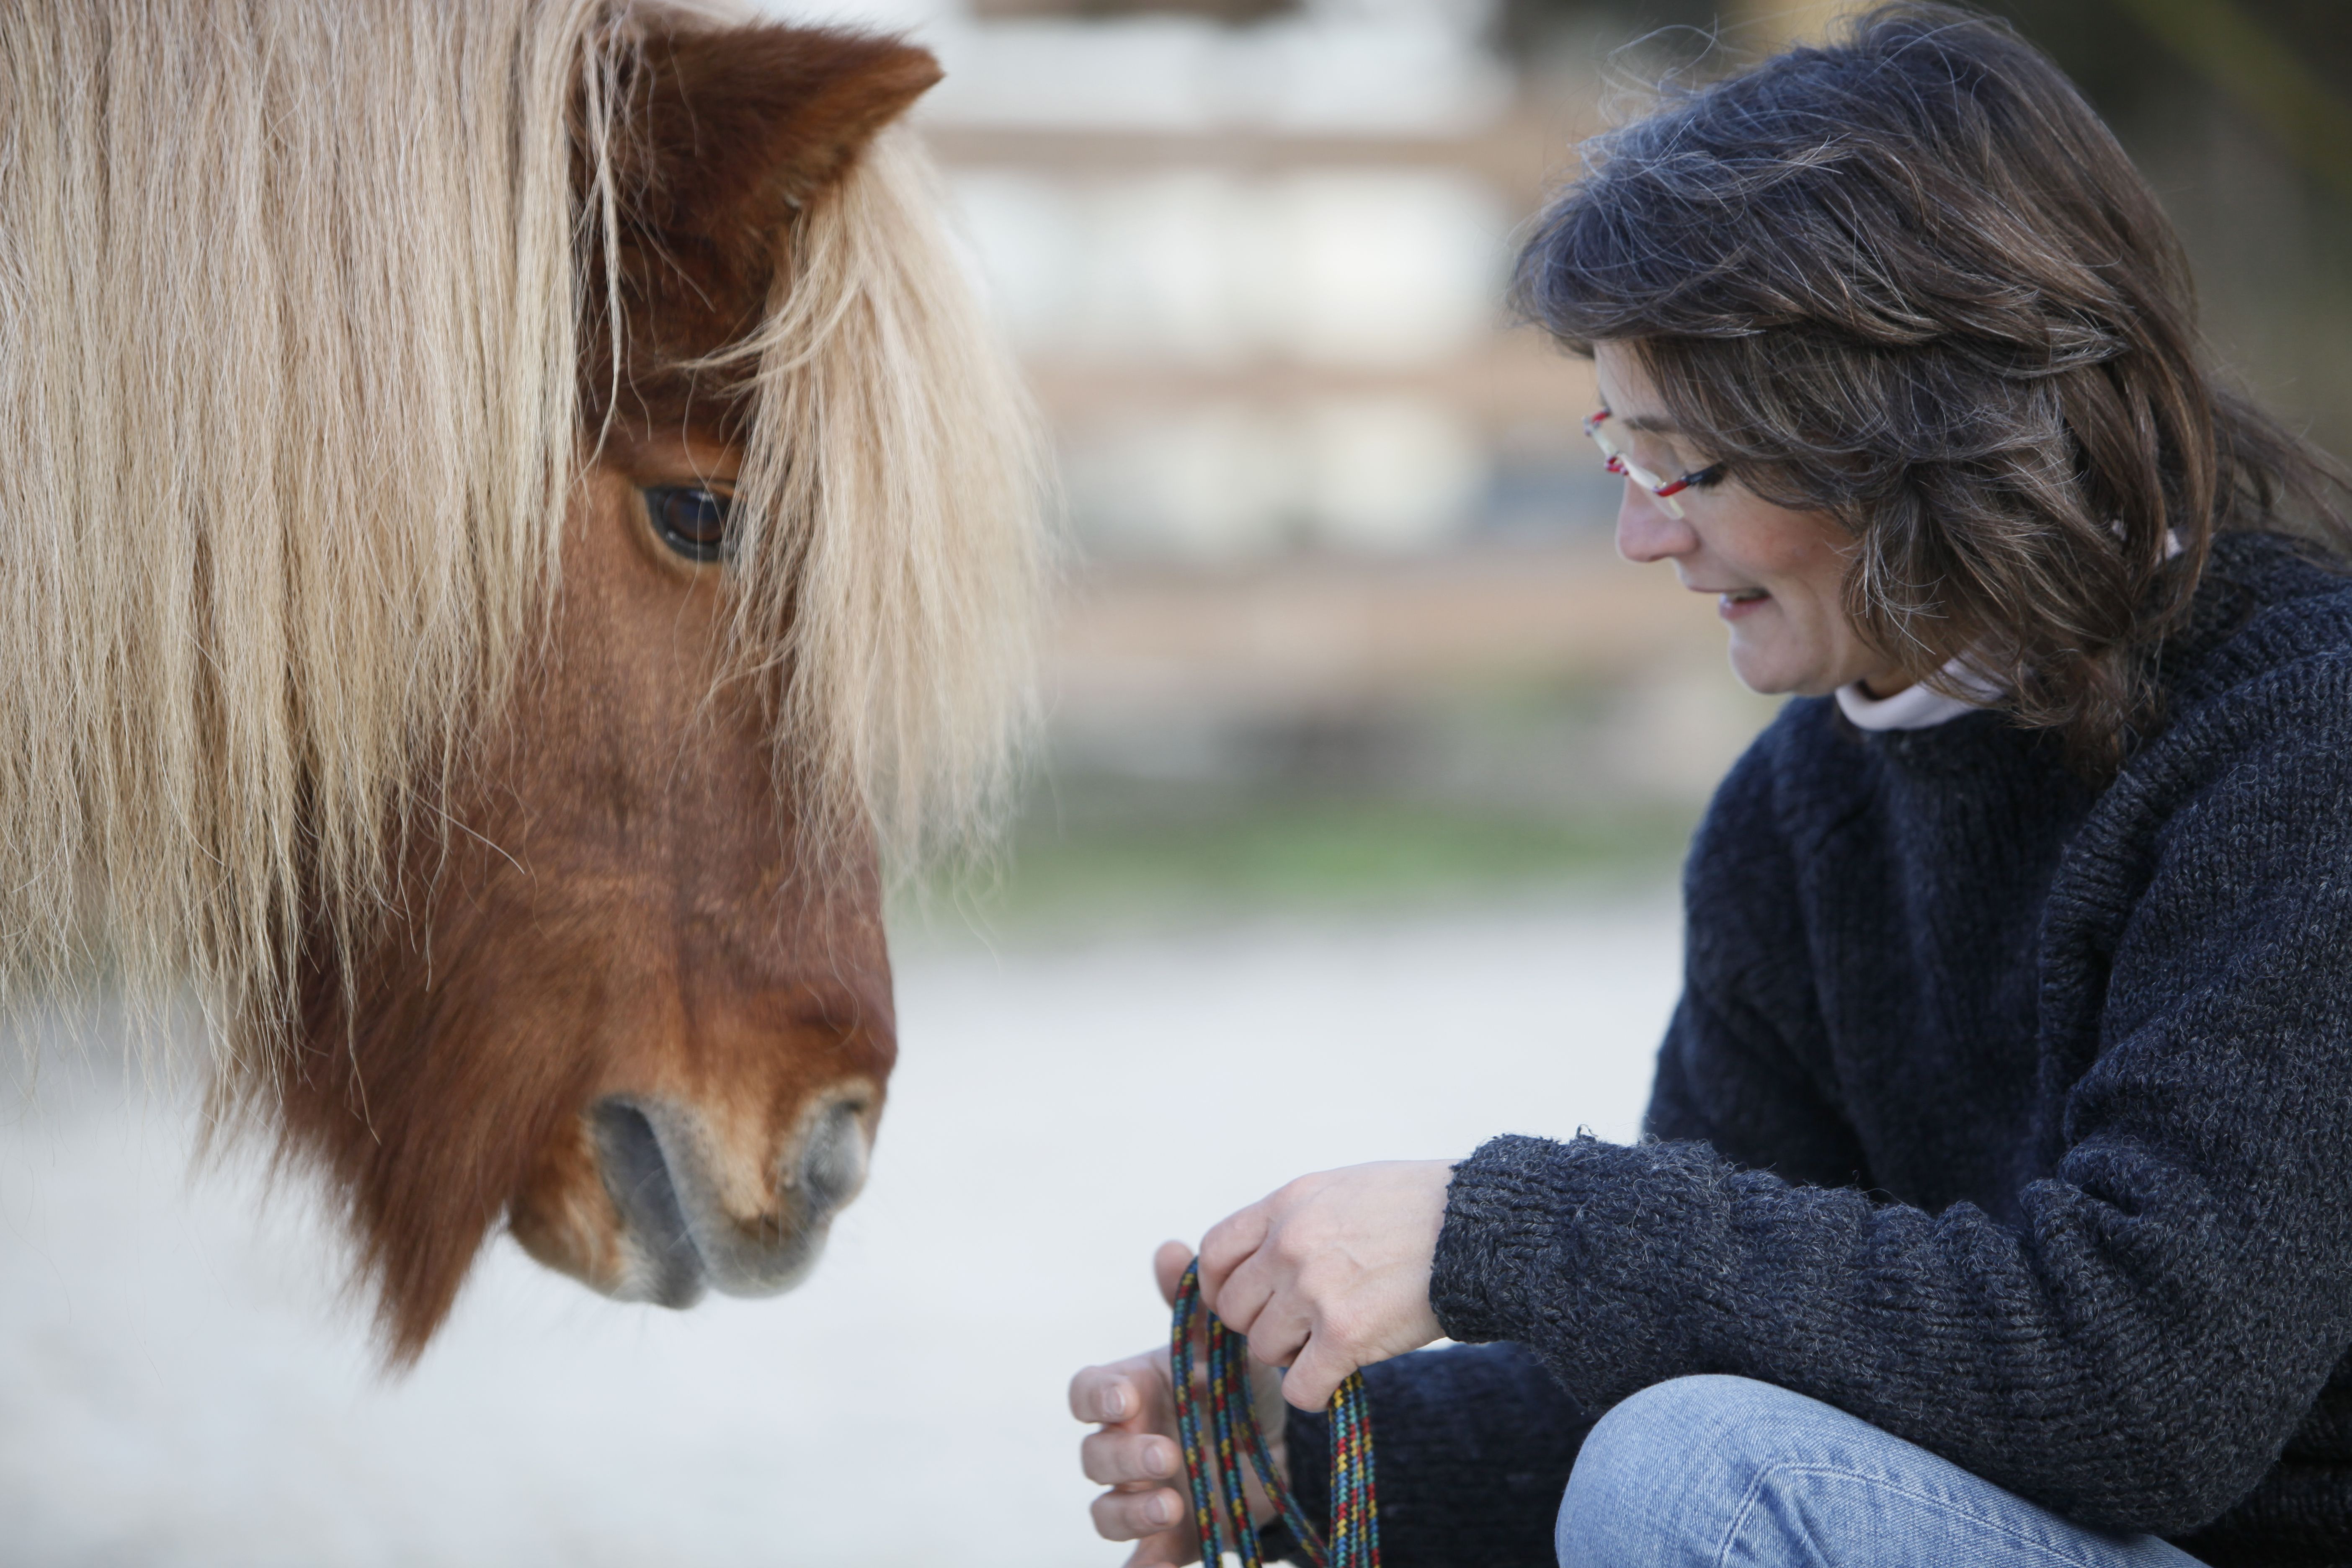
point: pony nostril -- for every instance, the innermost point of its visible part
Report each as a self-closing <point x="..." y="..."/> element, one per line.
<point x="695" y="1216"/>
<point x="832" y="1163"/>
<point x="639" y="1178"/>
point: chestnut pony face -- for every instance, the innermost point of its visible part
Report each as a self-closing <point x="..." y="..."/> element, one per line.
<point x="514" y="522"/>
<point x="634" y="1001"/>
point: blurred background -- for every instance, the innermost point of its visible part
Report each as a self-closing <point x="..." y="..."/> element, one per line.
<point x="1368" y="771"/>
<point x="1343" y="625"/>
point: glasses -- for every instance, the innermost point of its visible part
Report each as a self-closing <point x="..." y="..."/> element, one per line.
<point x="1617" y="462"/>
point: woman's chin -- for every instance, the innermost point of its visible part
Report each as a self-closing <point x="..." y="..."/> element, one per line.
<point x="1760" y="670"/>
<point x="1775" y="654"/>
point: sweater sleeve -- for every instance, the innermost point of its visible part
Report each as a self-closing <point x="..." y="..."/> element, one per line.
<point x="2136" y="1348"/>
<point x="1471" y="1447"/>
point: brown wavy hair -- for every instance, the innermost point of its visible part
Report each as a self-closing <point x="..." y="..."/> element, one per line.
<point x="1909" y="279"/>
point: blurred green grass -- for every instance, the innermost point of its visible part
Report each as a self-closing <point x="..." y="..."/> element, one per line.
<point x="1311" y="858"/>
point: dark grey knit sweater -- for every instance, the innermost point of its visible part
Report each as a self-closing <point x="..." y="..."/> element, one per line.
<point x="2011" y="1116"/>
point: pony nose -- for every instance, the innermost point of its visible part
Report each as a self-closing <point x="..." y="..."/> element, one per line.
<point x="832" y="1164"/>
<point x="695" y="1214"/>
<point x="662" y="1265"/>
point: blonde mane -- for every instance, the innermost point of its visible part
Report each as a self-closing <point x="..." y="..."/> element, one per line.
<point x="288" y="370"/>
<point x="889" y="556"/>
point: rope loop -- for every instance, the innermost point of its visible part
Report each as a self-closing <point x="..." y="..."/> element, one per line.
<point x="1214" y="1471"/>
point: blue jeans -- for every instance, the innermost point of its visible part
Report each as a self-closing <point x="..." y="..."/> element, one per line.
<point x="1722" y="1472"/>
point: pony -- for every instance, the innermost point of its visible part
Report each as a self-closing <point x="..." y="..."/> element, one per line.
<point x="518" y="533"/>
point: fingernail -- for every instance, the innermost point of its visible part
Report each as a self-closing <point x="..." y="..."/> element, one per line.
<point x="1155" y="1459"/>
<point x="1113" y="1404"/>
<point x="1162" y="1510"/>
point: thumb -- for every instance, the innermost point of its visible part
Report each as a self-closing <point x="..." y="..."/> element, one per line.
<point x="1169" y="1263"/>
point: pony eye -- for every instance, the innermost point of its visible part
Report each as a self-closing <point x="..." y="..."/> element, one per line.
<point x="691" y="520"/>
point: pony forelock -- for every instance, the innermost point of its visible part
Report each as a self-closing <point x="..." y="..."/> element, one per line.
<point x="888" y="562"/>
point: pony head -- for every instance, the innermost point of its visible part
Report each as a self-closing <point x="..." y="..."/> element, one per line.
<point x="519" y="531"/>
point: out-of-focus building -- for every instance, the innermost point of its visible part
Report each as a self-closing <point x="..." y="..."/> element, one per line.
<point x="1255" y="254"/>
<point x="1334" y="531"/>
<point x="1319" y="491"/>
<point x="1257" y="273"/>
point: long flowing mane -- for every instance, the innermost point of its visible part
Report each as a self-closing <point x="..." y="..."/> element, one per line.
<point x="290" y="295"/>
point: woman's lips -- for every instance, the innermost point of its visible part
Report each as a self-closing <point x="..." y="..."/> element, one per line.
<point x="1732" y="604"/>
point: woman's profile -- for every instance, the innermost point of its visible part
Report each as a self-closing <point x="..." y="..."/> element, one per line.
<point x="1996" y="1200"/>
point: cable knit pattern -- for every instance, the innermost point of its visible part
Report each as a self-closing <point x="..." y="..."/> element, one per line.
<point x="2008" y="1115"/>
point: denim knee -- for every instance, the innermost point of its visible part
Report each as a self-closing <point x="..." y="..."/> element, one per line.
<point x="1658" y="1477"/>
<point x="1711" y="1471"/>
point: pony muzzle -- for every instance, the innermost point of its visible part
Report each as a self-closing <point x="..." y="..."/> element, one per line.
<point x="683" y="1214"/>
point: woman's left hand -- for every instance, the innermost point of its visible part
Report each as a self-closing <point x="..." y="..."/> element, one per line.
<point x="1331" y="1273"/>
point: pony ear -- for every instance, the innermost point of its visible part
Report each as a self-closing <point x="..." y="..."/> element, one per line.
<point x="740" y="125"/>
<point x="722" y="135"/>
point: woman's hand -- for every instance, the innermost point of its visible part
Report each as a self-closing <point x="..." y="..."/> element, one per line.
<point x="1331" y="1273"/>
<point x="1137" y="1453"/>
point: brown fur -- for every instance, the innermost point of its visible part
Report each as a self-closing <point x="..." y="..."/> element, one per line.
<point x="625" y="906"/>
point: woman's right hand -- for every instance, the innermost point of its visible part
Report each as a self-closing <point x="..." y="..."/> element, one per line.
<point x="1136" y="1452"/>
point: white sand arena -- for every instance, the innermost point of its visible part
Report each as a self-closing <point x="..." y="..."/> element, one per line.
<point x="181" y="1385"/>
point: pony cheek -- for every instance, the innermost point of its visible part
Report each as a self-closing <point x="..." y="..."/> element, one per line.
<point x="564" y="1218"/>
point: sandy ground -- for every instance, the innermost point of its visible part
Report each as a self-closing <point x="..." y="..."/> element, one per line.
<point x="181" y="1383"/>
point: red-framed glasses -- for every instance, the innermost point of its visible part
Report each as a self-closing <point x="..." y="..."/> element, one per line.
<point x="1617" y="462"/>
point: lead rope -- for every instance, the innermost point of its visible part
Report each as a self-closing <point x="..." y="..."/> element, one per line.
<point x="1216" y="1472"/>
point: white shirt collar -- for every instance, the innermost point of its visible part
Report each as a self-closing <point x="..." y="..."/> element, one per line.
<point x="1919" y="706"/>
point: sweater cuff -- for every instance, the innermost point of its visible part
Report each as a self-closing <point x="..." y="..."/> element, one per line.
<point x="1503" y="1210"/>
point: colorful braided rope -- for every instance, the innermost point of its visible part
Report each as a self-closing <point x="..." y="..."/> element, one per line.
<point x="1213" y="1467"/>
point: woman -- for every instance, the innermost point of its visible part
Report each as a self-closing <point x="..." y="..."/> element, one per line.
<point x="1997" y="1205"/>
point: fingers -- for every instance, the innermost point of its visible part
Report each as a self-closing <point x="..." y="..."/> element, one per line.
<point x="1245" y="1293"/>
<point x="1129" y="1398"/>
<point x="1122" y="1458"/>
<point x="1229" y="1242"/>
<point x="1169" y="1264"/>
<point x="1106" y="1395"/>
<point x="1251" y="1302"/>
<point x="1278" y="1325"/>
<point x="1277" y="1337"/>
<point x="1317" y="1373"/>
<point x="1133" y="1452"/>
<point x="1134" y="1515"/>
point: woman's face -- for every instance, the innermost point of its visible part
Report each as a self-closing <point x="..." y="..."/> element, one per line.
<point x="1775" y="572"/>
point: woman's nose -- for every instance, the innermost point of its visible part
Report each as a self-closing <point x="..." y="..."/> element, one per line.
<point x="1647" y="531"/>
